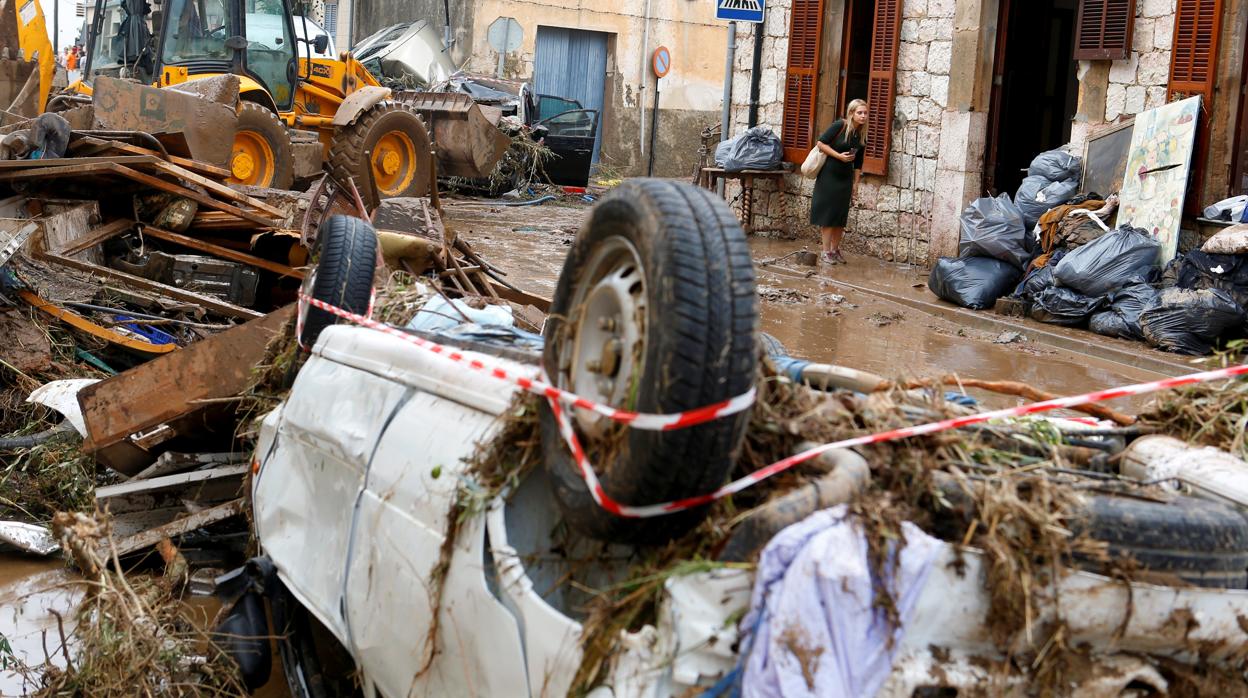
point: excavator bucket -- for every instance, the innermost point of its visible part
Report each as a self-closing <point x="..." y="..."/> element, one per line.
<point x="27" y="61"/>
<point x="468" y="144"/>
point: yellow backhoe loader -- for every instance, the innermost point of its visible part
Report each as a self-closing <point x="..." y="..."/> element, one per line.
<point x="27" y="61"/>
<point x="380" y="143"/>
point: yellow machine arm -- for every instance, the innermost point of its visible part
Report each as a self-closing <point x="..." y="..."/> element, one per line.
<point x="22" y="28"/>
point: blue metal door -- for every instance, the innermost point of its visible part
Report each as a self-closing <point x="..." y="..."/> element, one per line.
<point x="572" y="63"/>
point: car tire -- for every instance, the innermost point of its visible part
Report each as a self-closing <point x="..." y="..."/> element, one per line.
<point x="660" y="278"/>
<point x="1204" y="543"/>
<point x="343" y="275"/>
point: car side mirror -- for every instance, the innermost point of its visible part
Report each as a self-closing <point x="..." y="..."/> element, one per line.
<point x="321" y="43"/>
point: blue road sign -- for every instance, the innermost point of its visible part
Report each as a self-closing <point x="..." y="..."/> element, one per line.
<point x="739" y="10"/>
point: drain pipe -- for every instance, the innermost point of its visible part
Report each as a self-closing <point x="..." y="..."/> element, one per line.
<point x="641" y="79"/>
<point x="756" y="71"/>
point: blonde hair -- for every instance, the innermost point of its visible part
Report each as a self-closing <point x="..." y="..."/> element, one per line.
<point x="849" y="120"/>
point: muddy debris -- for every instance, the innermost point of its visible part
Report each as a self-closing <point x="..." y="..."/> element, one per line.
<point x="784" y="296"/>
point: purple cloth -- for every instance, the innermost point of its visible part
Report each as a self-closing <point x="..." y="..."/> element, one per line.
<point x="815" y="632"/>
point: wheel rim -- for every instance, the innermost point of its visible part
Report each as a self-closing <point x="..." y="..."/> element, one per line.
<point x="252" y="161"/>
<point x="604" y="349"/>
<point x="394" y="163"/>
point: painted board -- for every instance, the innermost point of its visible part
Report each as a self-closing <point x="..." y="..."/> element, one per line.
<point x="1155" y="182"/>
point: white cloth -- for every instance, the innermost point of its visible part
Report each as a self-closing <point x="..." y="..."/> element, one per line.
<point x="815" y="632"/>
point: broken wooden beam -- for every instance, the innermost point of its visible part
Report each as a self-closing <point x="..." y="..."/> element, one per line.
<point x="186" y="524"/>
<point x="176" y="384"/>
<point x="222" y="252"/>
<point x="101" y="234"/>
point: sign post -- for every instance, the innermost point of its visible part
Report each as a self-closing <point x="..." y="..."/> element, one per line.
<point x="660" y="63"/>
<point x="733" y="11"/>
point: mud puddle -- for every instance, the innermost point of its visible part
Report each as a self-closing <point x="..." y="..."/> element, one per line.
<point x="33" y="592"/>
<point x="813" y="316"/>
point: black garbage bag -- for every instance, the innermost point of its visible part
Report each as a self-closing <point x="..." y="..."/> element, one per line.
<point x="756" y="149"/>
<point x="994" y="228"/>
<point x="972" y="282"/>
<point x="1188" y="321"/>
<point x="1037" y="195"/>
<point x="1228" y="272"/>
<point x="1056" y="166"/>
<point x="1064" y="306"/>
<point x="1122" y="318"/>
<point x="1117" y="258"/>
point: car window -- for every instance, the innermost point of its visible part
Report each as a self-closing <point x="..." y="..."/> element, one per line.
<point x="579" y="122"/>
<point x="548" y="106"/>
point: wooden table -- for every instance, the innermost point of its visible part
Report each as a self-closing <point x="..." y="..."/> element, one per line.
<point x="708" y="176"/>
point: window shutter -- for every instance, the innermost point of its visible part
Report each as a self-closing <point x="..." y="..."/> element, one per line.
<point x="1193" y="71"/>
<point x="1103" y="30"/>
<point x="801" y="78"/>
<point x="1194" y="57"/>
<point x="881" y="86"/>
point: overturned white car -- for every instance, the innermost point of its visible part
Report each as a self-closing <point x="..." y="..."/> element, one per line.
<point x="391" y="570"/>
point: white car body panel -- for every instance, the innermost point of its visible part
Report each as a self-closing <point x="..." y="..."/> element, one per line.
<point x="352" y="504"/>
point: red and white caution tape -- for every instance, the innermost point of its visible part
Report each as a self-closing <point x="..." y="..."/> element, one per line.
<point x="537" y="384"/>
<point x="659" y="422"/>
<point x="650" y="510"/>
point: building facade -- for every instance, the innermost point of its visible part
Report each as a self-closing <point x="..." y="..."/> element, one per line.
<point x="963" y="93"/>
<point x="599" y="54"/>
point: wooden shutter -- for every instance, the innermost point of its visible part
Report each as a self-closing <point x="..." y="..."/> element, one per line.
<point x="881" y="86"/>
<point x="801" y="79"/>
<point x="1103" y="30"/>
<point x="1194" y="56"/>
<point x="1193" y="71"/>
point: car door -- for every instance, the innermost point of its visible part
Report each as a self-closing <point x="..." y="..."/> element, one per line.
<point x="571" y="136"/>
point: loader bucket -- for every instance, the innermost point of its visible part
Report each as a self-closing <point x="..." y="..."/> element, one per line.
<point x="468" y="144"/>
<point x="22" y="29"/>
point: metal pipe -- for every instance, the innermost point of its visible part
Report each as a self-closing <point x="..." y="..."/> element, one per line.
<point x="725" y="113"/>
<point x="756" y="71"/>
<point x="641" y="79"/>
<point x="446" y="28"/>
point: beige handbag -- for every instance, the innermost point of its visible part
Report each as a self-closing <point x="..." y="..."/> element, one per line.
<point x="815" y="160"/>
<point x="813" y="163"/>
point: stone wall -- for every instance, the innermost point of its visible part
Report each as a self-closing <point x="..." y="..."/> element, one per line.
<point x="938" y="139"/>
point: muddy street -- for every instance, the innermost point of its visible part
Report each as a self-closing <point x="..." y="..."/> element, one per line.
<point x="826" y="314"/>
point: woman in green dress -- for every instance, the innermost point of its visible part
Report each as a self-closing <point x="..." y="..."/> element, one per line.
<point x="834" y="187"/>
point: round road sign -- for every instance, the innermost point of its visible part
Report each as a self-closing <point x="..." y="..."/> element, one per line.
<point x="661" y="61"/>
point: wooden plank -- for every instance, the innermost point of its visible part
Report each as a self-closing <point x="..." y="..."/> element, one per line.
<point x="176" y="384"/>
<point x="200" y="197"/>
<point x="94" y="168"/>
<point x="193" y="165"/>
<point x="219" y="188"/>
<point x="171" y="462"/>
<point x="63" y="224"/>
<point x="216" y="305"/>
<point x="136" y="486"/>
<point x="63" y="162"/>
<point x="105" y="232"/>
<point x="82" y="324"/>
<point x="521" y="297"/>
<point x="199" y="519"/>
<point x="223" y="252"/>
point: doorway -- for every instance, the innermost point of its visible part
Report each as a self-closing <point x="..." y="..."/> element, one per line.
<point x="1035" y="90"/>
<point x="572" y="64"/>
<point x="856" y="56"/>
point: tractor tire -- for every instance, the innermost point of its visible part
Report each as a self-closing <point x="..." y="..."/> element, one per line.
<point x="343" y="276"/>
<point x="386" y="152"/>
<point x="261" y="156"/>
<point x="655" y="311"/>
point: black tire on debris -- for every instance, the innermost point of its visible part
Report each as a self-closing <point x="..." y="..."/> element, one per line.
<point x="264" y="124"/>
<point x="1204" y="543"/>
<point x="343" y="276"/>
<point x="700" y="322"/>
<point x="351" y="146"/>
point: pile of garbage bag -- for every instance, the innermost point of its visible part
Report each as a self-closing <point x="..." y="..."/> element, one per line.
<point x="1050" y="250"/>
<point x="758" y="148"/>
